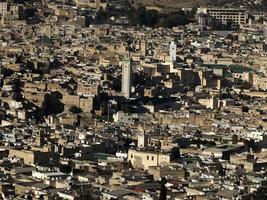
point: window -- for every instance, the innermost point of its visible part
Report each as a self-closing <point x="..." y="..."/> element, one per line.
<point x="147" y="157"/>
<point x="152" y="158"/>
<point x="131" y="155"/>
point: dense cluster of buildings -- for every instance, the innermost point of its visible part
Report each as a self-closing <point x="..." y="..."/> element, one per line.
<point x="120" y="112"/>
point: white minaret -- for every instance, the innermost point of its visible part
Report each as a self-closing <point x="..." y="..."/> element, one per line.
<point x="172" y="52"/>
<point x="126" y="82"/>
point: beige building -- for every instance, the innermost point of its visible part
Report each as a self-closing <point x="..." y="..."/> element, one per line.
<point x="91" y="3"/>
<point x="84" y="103"/>
<point x="250" y="162"/>
<point x="87" y="89"/>
<point x="159" y="172"/>
<point x="35" y="85"/>
<point x="39" y="99"/>
<point x="146" y="159"/>
<point x="53" y="87"/>
<point x="260" y="82"/>
<point x="211" y="103"/>
<point x="30" y="157"/>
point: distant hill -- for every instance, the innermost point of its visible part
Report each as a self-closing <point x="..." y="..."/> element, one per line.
<point x="171" y="3"/>
<point x="174" y="4"/>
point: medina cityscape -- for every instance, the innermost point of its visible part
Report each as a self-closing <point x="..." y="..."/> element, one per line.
<point x="133" y="99"/>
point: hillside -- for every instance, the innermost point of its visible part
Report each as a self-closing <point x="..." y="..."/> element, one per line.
<point x="173" y="4"/>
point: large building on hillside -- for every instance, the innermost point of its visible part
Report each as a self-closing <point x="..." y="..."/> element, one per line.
<point x="237" y="16"/>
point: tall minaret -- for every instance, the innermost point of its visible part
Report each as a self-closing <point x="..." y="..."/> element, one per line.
<point x="126" y="82"/>
<point x="48" y="31"/>
<point x="172" y="52"/>
<point x="143" y="47"/>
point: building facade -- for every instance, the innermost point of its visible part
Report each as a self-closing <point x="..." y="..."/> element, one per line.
<point x="146" y="159"/>
<point x="237" y="16"/>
